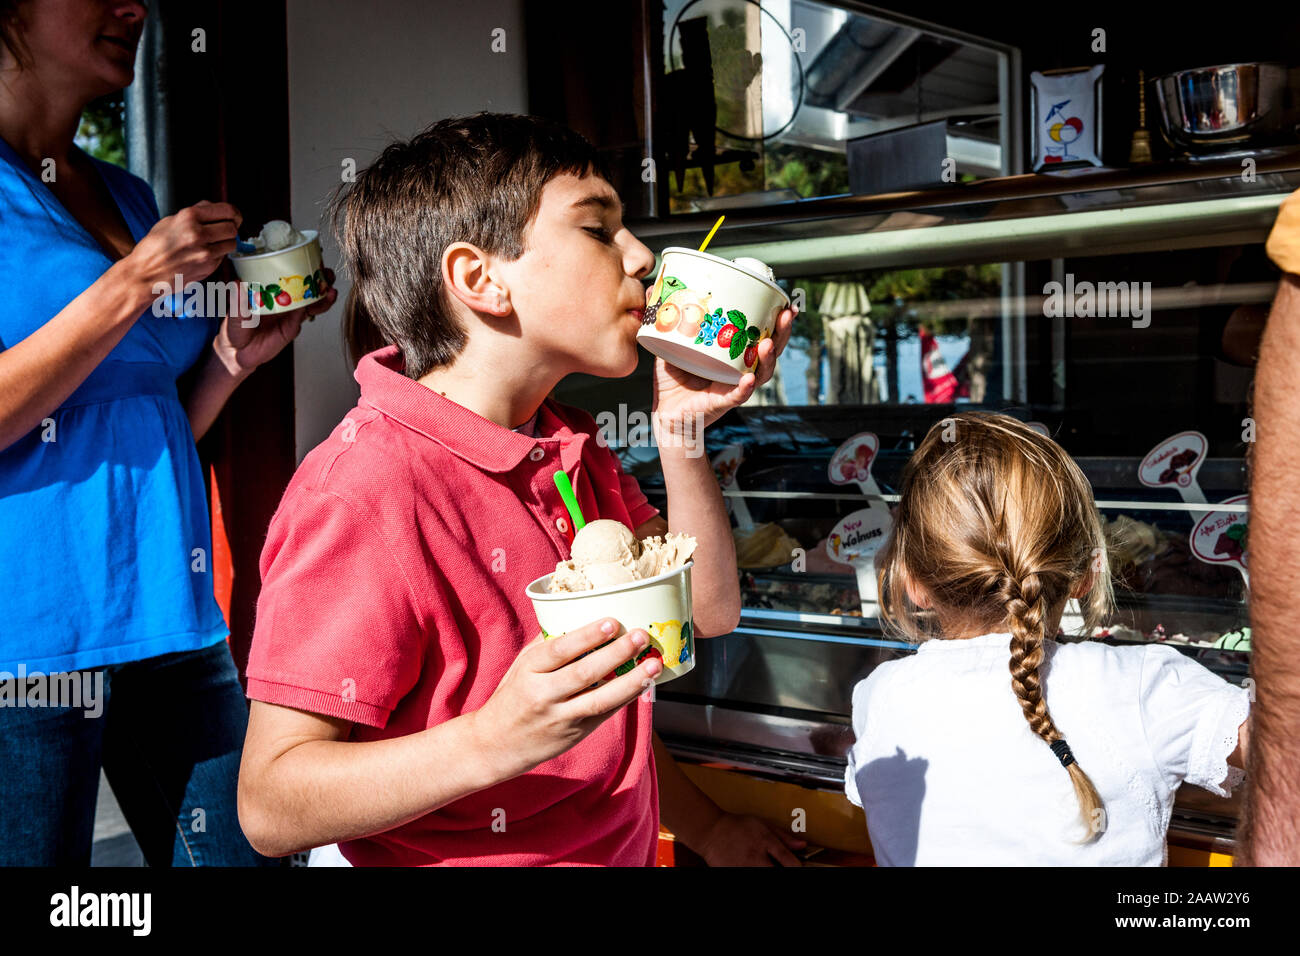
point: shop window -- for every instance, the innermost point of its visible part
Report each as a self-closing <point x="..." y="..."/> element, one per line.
<point x="782" y="100"/>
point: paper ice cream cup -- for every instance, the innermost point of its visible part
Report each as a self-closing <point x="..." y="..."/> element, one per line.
<point x="661" y="606"/>
<point x="283" y="280"/>
<point x="706" y="315"/>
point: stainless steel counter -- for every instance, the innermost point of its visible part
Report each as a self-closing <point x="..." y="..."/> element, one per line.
<point x="772" y="700"/>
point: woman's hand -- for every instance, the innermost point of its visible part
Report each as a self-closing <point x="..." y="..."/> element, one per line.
<point x="243" y="349"/>
<point x="38" y="373"/>
<point x="237" y="350"/>
<point x="685" y="402"/>
<point x="736" y="840"/>
<point x="190" y="244"/>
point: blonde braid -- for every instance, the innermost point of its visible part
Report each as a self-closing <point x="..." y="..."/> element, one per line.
<point x="1026" y="608"/>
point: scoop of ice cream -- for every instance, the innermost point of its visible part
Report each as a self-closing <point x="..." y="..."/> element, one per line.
<point x="608" y="573"/>
<point x="660" y="555"/>
<point x="606" y="553"/>
<point x="602" y="541"/>
<point x="757" y="266"/>
<point x="276" y="235"/>
<point x="568" y="578"/>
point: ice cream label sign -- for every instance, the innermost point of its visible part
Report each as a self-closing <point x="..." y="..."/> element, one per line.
<point x="1174" y="462"/>
<point x="857" y="537"/>
<point x="1220" y="536"/>
<point x="852" y="461"/>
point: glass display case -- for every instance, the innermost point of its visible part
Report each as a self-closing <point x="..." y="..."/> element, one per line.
<point x="910" y="314"/>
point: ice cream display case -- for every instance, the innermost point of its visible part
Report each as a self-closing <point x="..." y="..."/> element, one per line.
<point x="910" y="313"/>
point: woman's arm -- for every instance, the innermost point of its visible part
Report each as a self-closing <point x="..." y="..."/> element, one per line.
<point x="39" y="373"/>
<point x="212" y="387"/>
<point x="237" y="350"/>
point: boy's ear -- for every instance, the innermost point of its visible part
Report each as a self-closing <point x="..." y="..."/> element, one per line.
<point x="465" y="275"/>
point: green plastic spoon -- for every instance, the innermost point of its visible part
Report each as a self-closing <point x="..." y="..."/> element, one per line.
<point x="565" y="487"/>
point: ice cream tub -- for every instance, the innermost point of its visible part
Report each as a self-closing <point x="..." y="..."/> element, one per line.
<point x="660" y="605"/>
<point x="706" y="314"/>
<point x="281" y="280"/>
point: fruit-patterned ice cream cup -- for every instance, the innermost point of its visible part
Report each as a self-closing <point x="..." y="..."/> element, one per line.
<point x="706" y="314"/>
<point x="661" y="606"/>
<point x="285" y="279"/>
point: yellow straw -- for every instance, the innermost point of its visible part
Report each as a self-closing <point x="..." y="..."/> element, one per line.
<point x="711" y="232"/>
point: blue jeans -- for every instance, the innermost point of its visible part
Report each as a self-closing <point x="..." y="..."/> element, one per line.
<point x="168" y="735"/>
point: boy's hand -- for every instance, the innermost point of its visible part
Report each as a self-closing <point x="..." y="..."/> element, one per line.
<point x="744" y="840"/>
<point x="541" y="708"/>
<point x="683" y="401"/>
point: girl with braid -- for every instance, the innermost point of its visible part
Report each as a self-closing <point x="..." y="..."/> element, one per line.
<point x="995" y="744"/>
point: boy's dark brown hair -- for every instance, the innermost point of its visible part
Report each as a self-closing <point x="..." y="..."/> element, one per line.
<point x="475" y="179"/>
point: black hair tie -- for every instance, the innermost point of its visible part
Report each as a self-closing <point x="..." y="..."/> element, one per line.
<point x="1062" y="751"/>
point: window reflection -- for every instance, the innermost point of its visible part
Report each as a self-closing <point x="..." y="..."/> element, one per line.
<point x="786" y="99"/>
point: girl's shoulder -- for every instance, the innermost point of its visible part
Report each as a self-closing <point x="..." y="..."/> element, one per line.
<point x="886" y="675"/>
<point x="1118" y="668"/>
<point x="1111" y="660"/>
<point x="1133" y="675"/>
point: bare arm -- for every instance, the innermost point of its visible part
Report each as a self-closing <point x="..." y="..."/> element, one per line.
<point x="695" y="507"/>
<point x="1240" y="754"/>
<point x="721" y="838"/>
<point x="1270" y="832"/>
<point x="39" y="373"/>
<point x="212" y="388"/>
<point x="302" y="784"/>
<point x="683" y="405"/>
<point x="713" y="610"/>
<point x="238" y="349"/>
<point x="684" y="808"/>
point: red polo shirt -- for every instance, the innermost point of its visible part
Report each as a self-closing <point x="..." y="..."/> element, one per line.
<point x="393" y="596"/>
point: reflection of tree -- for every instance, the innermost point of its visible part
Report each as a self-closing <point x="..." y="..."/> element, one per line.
<point x="893" y="295"/>
<point x="808" y="172"/>
<point x="734" y="68"/>
<point x="102" y="131"/>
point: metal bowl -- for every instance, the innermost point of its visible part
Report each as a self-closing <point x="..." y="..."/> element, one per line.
<point x="1222" y="105"/>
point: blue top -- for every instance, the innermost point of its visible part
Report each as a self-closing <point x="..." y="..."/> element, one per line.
<point x="105" y="550"/>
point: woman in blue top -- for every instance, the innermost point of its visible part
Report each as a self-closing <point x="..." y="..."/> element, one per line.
<point x="104" y="537"/>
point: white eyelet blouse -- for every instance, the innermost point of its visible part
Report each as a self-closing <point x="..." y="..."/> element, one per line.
<point x="949" y="773"/>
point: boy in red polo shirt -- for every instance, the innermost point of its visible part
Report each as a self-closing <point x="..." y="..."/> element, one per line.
<point x="404" y="704"/>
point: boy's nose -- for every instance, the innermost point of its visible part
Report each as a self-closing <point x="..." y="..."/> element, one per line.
<point x="640" y="259"/>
